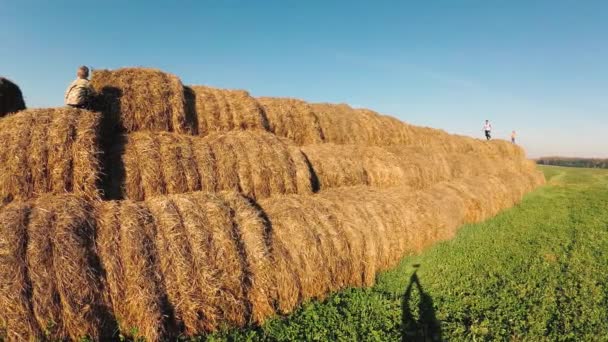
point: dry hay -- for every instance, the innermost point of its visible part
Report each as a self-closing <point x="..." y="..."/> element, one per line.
<point x="348" y="165"/>
<point x="11" y="99"/>
<point x="49" y="151"/>
<point x="223" y="110"/>
<point x="343" y="237"/>
<point x="180" y="264"/>
<point x="293" y="119"/>
<point x="135" y="99"/>
<point x="49" y="271"/>
<point x="256" y="163"/>
<point x="342" y="124"/>
<point x="402" y="165"/>
<point x="192" y="263"/>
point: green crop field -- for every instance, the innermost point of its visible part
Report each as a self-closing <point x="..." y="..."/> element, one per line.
<point x="538" y="271"/>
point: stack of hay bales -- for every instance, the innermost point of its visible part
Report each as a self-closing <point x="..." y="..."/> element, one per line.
<point x="224" y="110"/>
<point x="293" y="119"/>
<point x="135" y="99"/>
<point x="49" y="151"/>
<point x="11" y="99"/>
<point x="214" y="209"/>
<point x="256" y="163"/>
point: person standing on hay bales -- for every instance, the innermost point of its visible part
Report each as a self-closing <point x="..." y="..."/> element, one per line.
<point x="80" y="93"/>
<point x="487" y="128"/>
<point x="513" y="137"/>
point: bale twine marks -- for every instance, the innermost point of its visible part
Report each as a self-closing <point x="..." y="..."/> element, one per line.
<point x="223" y="110"/>
<point x="49" y="151"/>
<point x="135" y="99"/>
<point x="256" y="163"/>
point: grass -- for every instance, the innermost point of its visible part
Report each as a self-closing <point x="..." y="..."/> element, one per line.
<point x="538" y="271"/>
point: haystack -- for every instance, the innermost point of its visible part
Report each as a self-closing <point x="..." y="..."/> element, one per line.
<point x="186" y="264"/>
<point x="343" y="237"/>
<point x="49" y="151"/>
<point x="348" y="165"/>
<point x="401" y="165"/>
<point x="51" y="281"/>
<point x="223" y="110"/>
<point x="256" y="163"/>
<point x="191" y="263"/>
<point x="342" y="124"/>
<point x="11" y="99"/>
<point x="293" y="119"/>
<point x="135" y="99"/>
<point x="221" y="230"/>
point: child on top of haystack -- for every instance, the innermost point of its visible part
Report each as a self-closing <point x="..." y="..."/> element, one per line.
<point x="80" y="93"/>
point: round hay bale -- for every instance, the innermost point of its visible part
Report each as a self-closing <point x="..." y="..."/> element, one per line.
<point x="348" y="165"/>
<point x="192" y="263"/>
<point x="256" y="163"/>
<point x="67" y="291"/>
<point x="128" y="253"/>
<point x="135" y="99"/>
<point x="11" y="99"/>
<point x="17" y="314"/>
<point x="224" y="110"/>
<point x="293" y="119"/>
<point x="49" y="151"/>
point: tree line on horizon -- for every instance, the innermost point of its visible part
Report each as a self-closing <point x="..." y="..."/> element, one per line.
<point x="574" y="162"/>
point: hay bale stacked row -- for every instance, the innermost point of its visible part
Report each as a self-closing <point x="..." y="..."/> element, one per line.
<point x="255" y="163"/>
<point x="49" y="151"/>
<point x="210" y="208"/>
<point x="189" y="263"/>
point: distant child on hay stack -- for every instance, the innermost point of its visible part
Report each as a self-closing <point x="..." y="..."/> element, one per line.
<point x="80" y="93"/>
<point x="487" y="128"/>
<point x="513" y="137"/>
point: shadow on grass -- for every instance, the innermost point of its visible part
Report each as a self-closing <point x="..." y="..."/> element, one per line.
<point x="424" y="326"/>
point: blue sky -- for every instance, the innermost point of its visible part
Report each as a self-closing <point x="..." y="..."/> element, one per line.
<point x="538" y="67"/>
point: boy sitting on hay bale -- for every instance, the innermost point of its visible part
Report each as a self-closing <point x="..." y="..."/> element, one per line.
<point x="80" y="93"/>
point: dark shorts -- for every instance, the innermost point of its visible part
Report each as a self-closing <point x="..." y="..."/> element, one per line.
<point x="488" y="134"/>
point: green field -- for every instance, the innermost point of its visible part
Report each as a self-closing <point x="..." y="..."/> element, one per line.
<point x="538" y="271"/>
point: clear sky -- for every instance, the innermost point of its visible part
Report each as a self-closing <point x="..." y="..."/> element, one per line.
<point x="537" y="67"/>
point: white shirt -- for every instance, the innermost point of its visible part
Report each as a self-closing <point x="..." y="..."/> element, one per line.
<point x="487" y="126"/>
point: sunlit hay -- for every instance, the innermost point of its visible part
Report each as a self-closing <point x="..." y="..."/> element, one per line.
<point x="176" y="264"/>
<point x="256" y="163"/>
<point x="223" y="110"/>
<point x="206" y="272"/>
<point x="293" y="119"/>
<point x="341" y="124"/>
<point x="224" y="256"/>
<point x="256" y="240"/>
<point x="347" y="165"/>
<point x="386" y="130"/>
<point x="347" y="240"/>
<point x="67" y="294"/>
<point x="333" y="243"/>
<point x="145" y="292"/>
<point x="49" y="151"/>
<point x="11" y="98"/>
<point x="360" y="204"/>
<point x="76" y="270"/>
<point x="297" y="232"/>
<point x="41" y="269"/>
<point x="135" y="99"/>
<point x="196" y="262"/>
<point x="108" y="243"/>
<point x="16" y="316"/>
